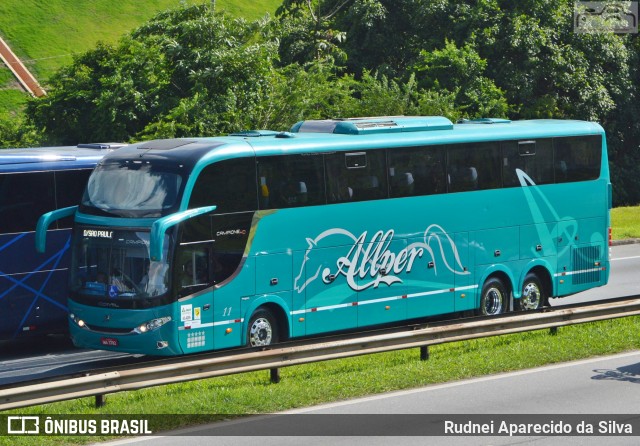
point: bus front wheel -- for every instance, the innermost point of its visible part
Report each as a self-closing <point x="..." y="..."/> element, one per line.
<point x="262" y="330"/>
<point x="533" y="294"/>
<point x="494" y="299"/>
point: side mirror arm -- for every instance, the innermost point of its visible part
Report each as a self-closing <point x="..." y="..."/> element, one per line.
<point x="162" y="225"/>
<point x="45" y="221"/>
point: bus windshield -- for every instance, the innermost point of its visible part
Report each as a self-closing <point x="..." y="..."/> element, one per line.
<point x="132" y="189"/>
<point x="114" y="267"/>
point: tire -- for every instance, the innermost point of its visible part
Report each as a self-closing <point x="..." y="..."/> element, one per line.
<point x="262" y="330"/>
<point x="494" y="298"/>
<point x="534" y="296"/>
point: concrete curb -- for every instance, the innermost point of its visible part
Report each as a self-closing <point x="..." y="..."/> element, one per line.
<point x="626" y="241"/>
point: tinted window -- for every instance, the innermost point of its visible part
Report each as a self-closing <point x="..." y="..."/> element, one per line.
<point x="231" y="233"/>
<point x="193" y="259"/>
<point x="134" y="189"/>
<point x="70" y="185"/>
<point x="355" y="176"/>
<point x="577" y="158"/>
<point x="290" y="181"/>
<point x="229" y="184"/>
<point x="416" y="171"/>
<point x="533" y="157"/>
<point x="474" y="166"/>
<point x="24" y="197"/>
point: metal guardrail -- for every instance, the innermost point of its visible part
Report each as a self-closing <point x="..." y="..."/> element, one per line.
<point x="193" y="369"/>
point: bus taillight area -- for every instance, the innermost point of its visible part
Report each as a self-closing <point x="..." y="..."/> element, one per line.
<point x="112" y="269"/>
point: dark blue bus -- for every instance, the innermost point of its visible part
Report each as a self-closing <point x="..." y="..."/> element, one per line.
<point x="32" y="285"/>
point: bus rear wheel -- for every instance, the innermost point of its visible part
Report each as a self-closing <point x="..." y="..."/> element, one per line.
<point x="494" y="299"/>
<point x="533" y="294"/>
<point x="262" y="330"/>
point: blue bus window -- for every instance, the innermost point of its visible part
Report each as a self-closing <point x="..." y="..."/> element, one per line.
<point x="23" y="198"/>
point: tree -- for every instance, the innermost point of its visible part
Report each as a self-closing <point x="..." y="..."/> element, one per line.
<point x="185" y="72"/>
<point x="461" y="71"/>
<point x="307" y="33"/>
<point x="14" y="132"/>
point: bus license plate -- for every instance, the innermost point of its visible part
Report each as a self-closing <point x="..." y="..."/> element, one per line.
<point x="109" y="342"/>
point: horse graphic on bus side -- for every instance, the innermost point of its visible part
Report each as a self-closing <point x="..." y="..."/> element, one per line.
<point x="369" y="261"/>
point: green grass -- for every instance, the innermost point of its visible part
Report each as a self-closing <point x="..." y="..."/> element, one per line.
<point x="45" y="34"/>
<point x="12" y="100"/>
<point x="625" y="222"/>
<point x="312" y="384"/>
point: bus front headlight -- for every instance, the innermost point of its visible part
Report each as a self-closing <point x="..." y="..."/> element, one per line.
<point x="151" y="325"/>
<point x="79" y="322"/>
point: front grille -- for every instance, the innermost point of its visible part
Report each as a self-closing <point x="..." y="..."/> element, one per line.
<point x="109" y="330"/>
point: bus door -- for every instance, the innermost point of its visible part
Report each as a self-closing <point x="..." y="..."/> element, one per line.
<point x="430" y="278"/>
<point x="381" y="275"/>
<point x="193" y="280"/>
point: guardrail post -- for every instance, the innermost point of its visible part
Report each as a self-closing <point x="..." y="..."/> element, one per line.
<point x="275" y="375"/>
<point x="424" y="353"/>
<point x="553" y="331"/>
<point x="100" y="402"/>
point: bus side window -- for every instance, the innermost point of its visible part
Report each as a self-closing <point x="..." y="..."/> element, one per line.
<point x="356" y="176"/>
<point x="70" y="186"/>
<point x="228" y="184"/>
<point x="577" y="158"/>
<point x="474" y="167"/>
<point x="533" y="157"/>
<point x="193" y="257"/>
<point x="23" y="198"/>
<point x="231" y="233"/>
<point x="290" y="181"/>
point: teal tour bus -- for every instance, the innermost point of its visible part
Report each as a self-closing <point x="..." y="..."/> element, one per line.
<point x="194" y="244"/>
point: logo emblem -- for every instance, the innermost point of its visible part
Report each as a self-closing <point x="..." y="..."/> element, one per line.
<point x="369" y="262"/>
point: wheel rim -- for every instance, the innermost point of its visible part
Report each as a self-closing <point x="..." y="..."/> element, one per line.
<point x="493" y="300"/>
<point x="260" y="333"/>
<point x="531" y="296"/>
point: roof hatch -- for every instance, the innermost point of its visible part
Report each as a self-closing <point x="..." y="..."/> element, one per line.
<point x="165" y="144"/>
<point x="365" y="126"/>
<point x="102" y="145"/>
<point x="484" y="121"/>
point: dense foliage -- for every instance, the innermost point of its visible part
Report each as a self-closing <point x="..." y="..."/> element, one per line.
<point x="191" y="72"/>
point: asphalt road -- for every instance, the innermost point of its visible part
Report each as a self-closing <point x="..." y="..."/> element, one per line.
<point x="576" y="392"/>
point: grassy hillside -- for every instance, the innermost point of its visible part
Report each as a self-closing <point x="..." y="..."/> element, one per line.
<point x="46" y="33"/>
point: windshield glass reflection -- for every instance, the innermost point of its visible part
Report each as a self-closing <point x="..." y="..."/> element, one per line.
<point x="115" y="265"/>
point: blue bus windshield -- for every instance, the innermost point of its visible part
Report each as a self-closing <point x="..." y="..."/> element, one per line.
<point x="131" y="189"/>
